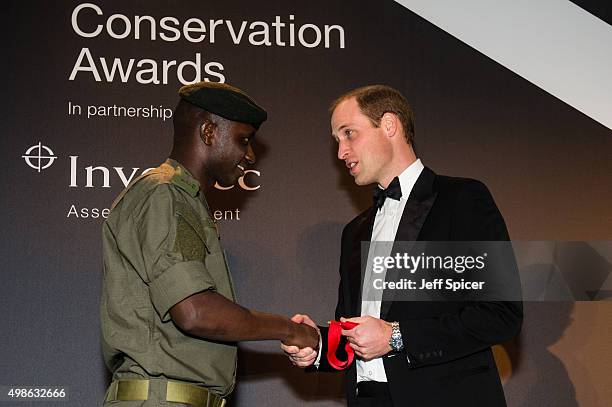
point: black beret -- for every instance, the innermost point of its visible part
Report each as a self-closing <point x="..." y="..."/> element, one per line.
<point x="225" y="101"/>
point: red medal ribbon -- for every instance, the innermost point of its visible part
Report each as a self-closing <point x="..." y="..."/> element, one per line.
<point x="333" y="341"/>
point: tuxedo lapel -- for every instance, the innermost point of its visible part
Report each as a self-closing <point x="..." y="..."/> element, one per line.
<point x="359" y="260"/>
<point x="420" y="201"/>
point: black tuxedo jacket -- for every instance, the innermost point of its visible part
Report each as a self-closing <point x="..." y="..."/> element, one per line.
<point x="447" y="359"/>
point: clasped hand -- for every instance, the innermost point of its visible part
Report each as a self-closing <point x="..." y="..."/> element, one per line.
<point x="302" y="336"/>
<point x="302" y="357"/>
<point x="369" y="340"/>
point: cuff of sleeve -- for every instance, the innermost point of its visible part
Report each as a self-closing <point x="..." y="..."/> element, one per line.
<point x="177" y="283"/>
<point x="317" y="361"/>
<point x="323" y="365"/>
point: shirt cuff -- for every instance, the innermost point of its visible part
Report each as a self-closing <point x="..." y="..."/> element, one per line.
<point x="317" y="361"/>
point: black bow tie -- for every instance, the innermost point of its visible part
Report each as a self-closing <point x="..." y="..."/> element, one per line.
<point x="393" y="191"/>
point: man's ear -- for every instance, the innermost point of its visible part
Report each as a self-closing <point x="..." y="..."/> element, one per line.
<point x="388" y="123"/>
<point x="207" y="132"/>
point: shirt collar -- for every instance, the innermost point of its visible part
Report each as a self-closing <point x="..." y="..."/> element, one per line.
<point x="409" y="177"/>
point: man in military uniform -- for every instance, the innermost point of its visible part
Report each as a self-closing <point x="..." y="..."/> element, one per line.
<point x="169" y="320"/>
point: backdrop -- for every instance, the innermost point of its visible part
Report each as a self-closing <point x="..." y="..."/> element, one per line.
<point x="88" y="94"/>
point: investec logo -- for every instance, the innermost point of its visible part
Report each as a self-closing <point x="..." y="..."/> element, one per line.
<point x="41" y="157"/>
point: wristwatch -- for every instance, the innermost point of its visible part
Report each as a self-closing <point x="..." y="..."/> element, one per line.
<point x="396" y="342"/>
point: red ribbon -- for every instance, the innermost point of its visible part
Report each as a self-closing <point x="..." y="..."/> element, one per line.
<point x="333" y="341"/>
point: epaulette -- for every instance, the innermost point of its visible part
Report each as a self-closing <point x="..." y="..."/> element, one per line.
<point x="191" y="187"/>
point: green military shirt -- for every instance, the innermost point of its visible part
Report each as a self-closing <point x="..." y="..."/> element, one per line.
<point x="161" y="246"/>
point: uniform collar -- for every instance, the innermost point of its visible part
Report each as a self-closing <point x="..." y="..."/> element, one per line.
<point x="183" y="178"/>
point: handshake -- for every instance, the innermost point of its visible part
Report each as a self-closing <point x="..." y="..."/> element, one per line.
<point x="303" y="355"/>
<point x="369" y="339"/>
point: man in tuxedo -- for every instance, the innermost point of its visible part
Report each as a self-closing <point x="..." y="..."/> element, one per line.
<point x="413" y="353"/>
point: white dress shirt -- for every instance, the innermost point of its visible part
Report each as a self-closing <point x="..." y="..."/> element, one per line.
<point x="385" y="228"/>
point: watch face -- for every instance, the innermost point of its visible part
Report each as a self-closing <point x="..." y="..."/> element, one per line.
<point x="396" y="342"/>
